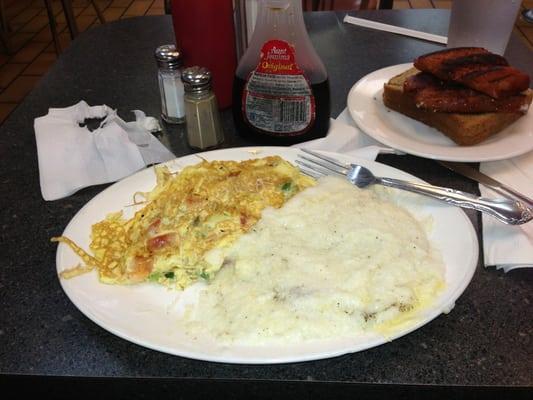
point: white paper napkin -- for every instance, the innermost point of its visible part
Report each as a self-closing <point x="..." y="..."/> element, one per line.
<point x="507" y="246"/>
<point x="346" y="138"/>
<point x="72" y="157"/>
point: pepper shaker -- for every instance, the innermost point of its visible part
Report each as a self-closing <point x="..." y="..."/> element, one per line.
<point x="169" y="62"/>
<point x="204" y="128"/>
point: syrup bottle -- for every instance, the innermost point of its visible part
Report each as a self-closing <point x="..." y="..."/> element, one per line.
<point x="281" y="87"/>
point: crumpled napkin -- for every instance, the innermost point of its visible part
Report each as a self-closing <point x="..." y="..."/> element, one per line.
<point x="346" y="138"/>
<point x="507" y="246"/>
<point x="72" y="157"/>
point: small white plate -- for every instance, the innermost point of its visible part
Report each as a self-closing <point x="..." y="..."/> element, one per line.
<point x="145" y="314"/>
<point x="366" y="107"/>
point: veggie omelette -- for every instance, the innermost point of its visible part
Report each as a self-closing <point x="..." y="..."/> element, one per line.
<point x="189" y="218"/>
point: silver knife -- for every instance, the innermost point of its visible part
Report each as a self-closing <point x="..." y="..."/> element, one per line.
<point x="491" y="183"/>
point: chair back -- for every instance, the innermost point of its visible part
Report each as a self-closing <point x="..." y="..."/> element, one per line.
<point x="328" y="5"/>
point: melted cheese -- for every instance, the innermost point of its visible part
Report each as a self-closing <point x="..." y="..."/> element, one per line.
<point x="335" y="261"/>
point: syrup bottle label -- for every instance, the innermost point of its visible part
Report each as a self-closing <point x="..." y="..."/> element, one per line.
<point x="277" y="97"/>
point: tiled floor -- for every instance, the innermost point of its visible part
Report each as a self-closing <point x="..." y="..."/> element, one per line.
<point x="32" y="50"/>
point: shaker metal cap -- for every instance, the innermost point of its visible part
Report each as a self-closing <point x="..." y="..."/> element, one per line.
<point x="168" y="57"/>
<point x="196" y="79"/>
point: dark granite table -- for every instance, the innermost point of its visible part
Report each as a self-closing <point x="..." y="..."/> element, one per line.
<point x="483" y="348"/>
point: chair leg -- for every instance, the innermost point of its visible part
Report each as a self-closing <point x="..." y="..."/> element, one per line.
<point x="4" y="29"/>
<point x="69" y="16"/>
<point x="385" y="4"/>
<point x="3" y="21"/>
<point x="53" y="27"/>
<point x="5" y="42"/>
<point x="98" y="12"/>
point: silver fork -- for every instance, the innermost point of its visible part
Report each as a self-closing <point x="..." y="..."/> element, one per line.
<point x="508" y="211"/>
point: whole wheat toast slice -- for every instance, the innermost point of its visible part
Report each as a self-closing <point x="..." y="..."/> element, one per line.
<point x="463" y="129"/>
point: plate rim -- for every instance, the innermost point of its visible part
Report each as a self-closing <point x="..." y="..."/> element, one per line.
<point x="447" y="152"/>
<point x="470" y="270"/>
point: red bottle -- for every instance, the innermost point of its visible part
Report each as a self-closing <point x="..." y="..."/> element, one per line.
<point x="206" y="36"/>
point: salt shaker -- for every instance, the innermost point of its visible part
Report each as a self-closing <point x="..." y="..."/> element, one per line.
<point x="204" y="129"/>
<point x="169" y="62"/>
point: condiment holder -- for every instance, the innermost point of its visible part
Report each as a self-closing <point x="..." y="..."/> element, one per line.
<point x="169" y="62"/>
<point x="204" y="128"/>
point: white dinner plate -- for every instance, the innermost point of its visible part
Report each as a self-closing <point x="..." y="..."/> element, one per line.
<point x="145" y="314"/>
<point x="366" y="107"/>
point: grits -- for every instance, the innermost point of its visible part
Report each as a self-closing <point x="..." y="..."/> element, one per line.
<point x="335" y="261"/>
